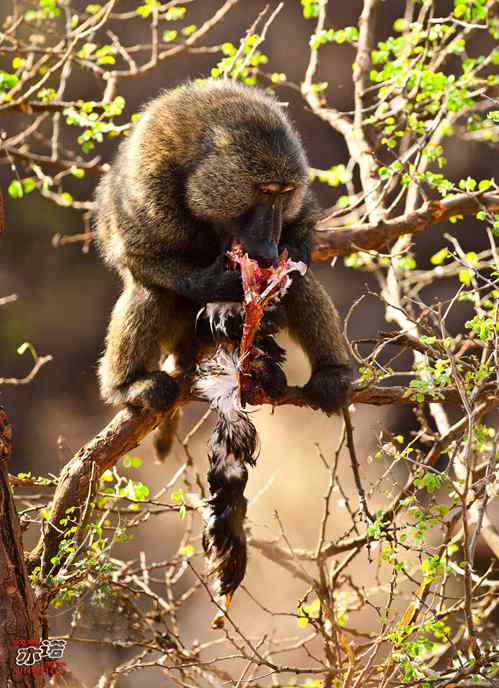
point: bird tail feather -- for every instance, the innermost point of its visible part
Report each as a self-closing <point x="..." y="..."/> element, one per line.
<point x="233" y="446"/>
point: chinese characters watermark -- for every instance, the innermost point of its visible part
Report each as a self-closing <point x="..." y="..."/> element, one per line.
<point x="40" y="657"/>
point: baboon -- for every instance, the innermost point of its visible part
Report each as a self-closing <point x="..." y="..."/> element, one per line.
<point x="207" y="164"/>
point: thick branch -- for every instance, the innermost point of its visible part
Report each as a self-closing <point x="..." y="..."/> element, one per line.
<point x="362" y="64"/>
<point x="124" y="432"/>
<point x="18" y="614"/>
<point x="359" y="145"/>
<point x="342" y="241"/>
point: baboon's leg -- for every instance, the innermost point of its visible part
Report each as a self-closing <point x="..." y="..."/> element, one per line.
<point x="180" y="339"/>
<point x="129" y="370"/>
<point x="315" y="324"/>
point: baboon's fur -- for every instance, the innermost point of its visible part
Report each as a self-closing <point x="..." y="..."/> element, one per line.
<point x="190" y="169"/>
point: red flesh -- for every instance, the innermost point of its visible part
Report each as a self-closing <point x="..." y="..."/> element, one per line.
<point x="255" y="281"/>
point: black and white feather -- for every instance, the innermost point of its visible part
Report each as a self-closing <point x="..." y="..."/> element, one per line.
<point x="233" y="445"/>
<point x="225" y="319"/>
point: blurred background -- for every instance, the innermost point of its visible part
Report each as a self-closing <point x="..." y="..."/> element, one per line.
<point x="65" y="297"/>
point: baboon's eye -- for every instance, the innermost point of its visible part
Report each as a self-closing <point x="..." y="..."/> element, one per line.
<point x="276" y="188"/>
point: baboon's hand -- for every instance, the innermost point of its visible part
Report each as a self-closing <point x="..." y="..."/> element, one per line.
<point x="272" y="379"/>
<point x="213" y="284"/>
<point x="230" y="282"/>
<point x="267" y="382"/>
<point x="329" y="388"/>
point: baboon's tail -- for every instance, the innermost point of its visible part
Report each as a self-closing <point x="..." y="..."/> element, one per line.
<point x="164" y="435"/>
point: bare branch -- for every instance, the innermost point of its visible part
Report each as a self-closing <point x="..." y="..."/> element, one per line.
<point x="39" y="363"/>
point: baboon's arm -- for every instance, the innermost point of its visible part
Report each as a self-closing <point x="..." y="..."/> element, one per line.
<point x="315" y="324"/>
<point x="201" y="285"/>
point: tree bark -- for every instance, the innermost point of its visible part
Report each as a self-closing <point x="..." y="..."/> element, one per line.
<point x="19" y="616"/>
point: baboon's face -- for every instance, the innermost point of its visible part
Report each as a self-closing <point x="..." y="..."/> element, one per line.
<point x="258" y="230"/>
<point x="248" y="185"/>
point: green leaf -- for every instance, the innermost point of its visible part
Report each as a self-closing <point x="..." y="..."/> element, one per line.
<point x="141" y="491"/>
<point x="65" y="199"/>
<point x="169" y="36"/>
<point x="465" y="277"/>
<point x="175" y="13"/>
<point x="439" y="257"/>
<point x="28" y="184"/>
<point x="47" y="94"/>
<point x="468" y="184"/>
<point x="86" y="50"/>
<point x="188" y="30"/>
<point x="187" y="551"/>
<point x="132" y="461"/>
<point x="177" y="496"/>
<point x="484" y="184"/>
<point x="116" y="107"/>
<point x="15" y="189"/>
<point x="302" y="618"/>
<point x="143" y="11"/>
<point x="277" y="77"/>
<point x="18" y="63"/>
<point x="307" y="612"/>
<point x="310" y="8"/>
<point x="400" y="25"/>
<point x="318" y="88"/>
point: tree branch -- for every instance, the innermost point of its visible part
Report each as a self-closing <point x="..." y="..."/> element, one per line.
<point x="342" y="241"/>
<point x="125" y="431"/>
<point x="39" y="363"/>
